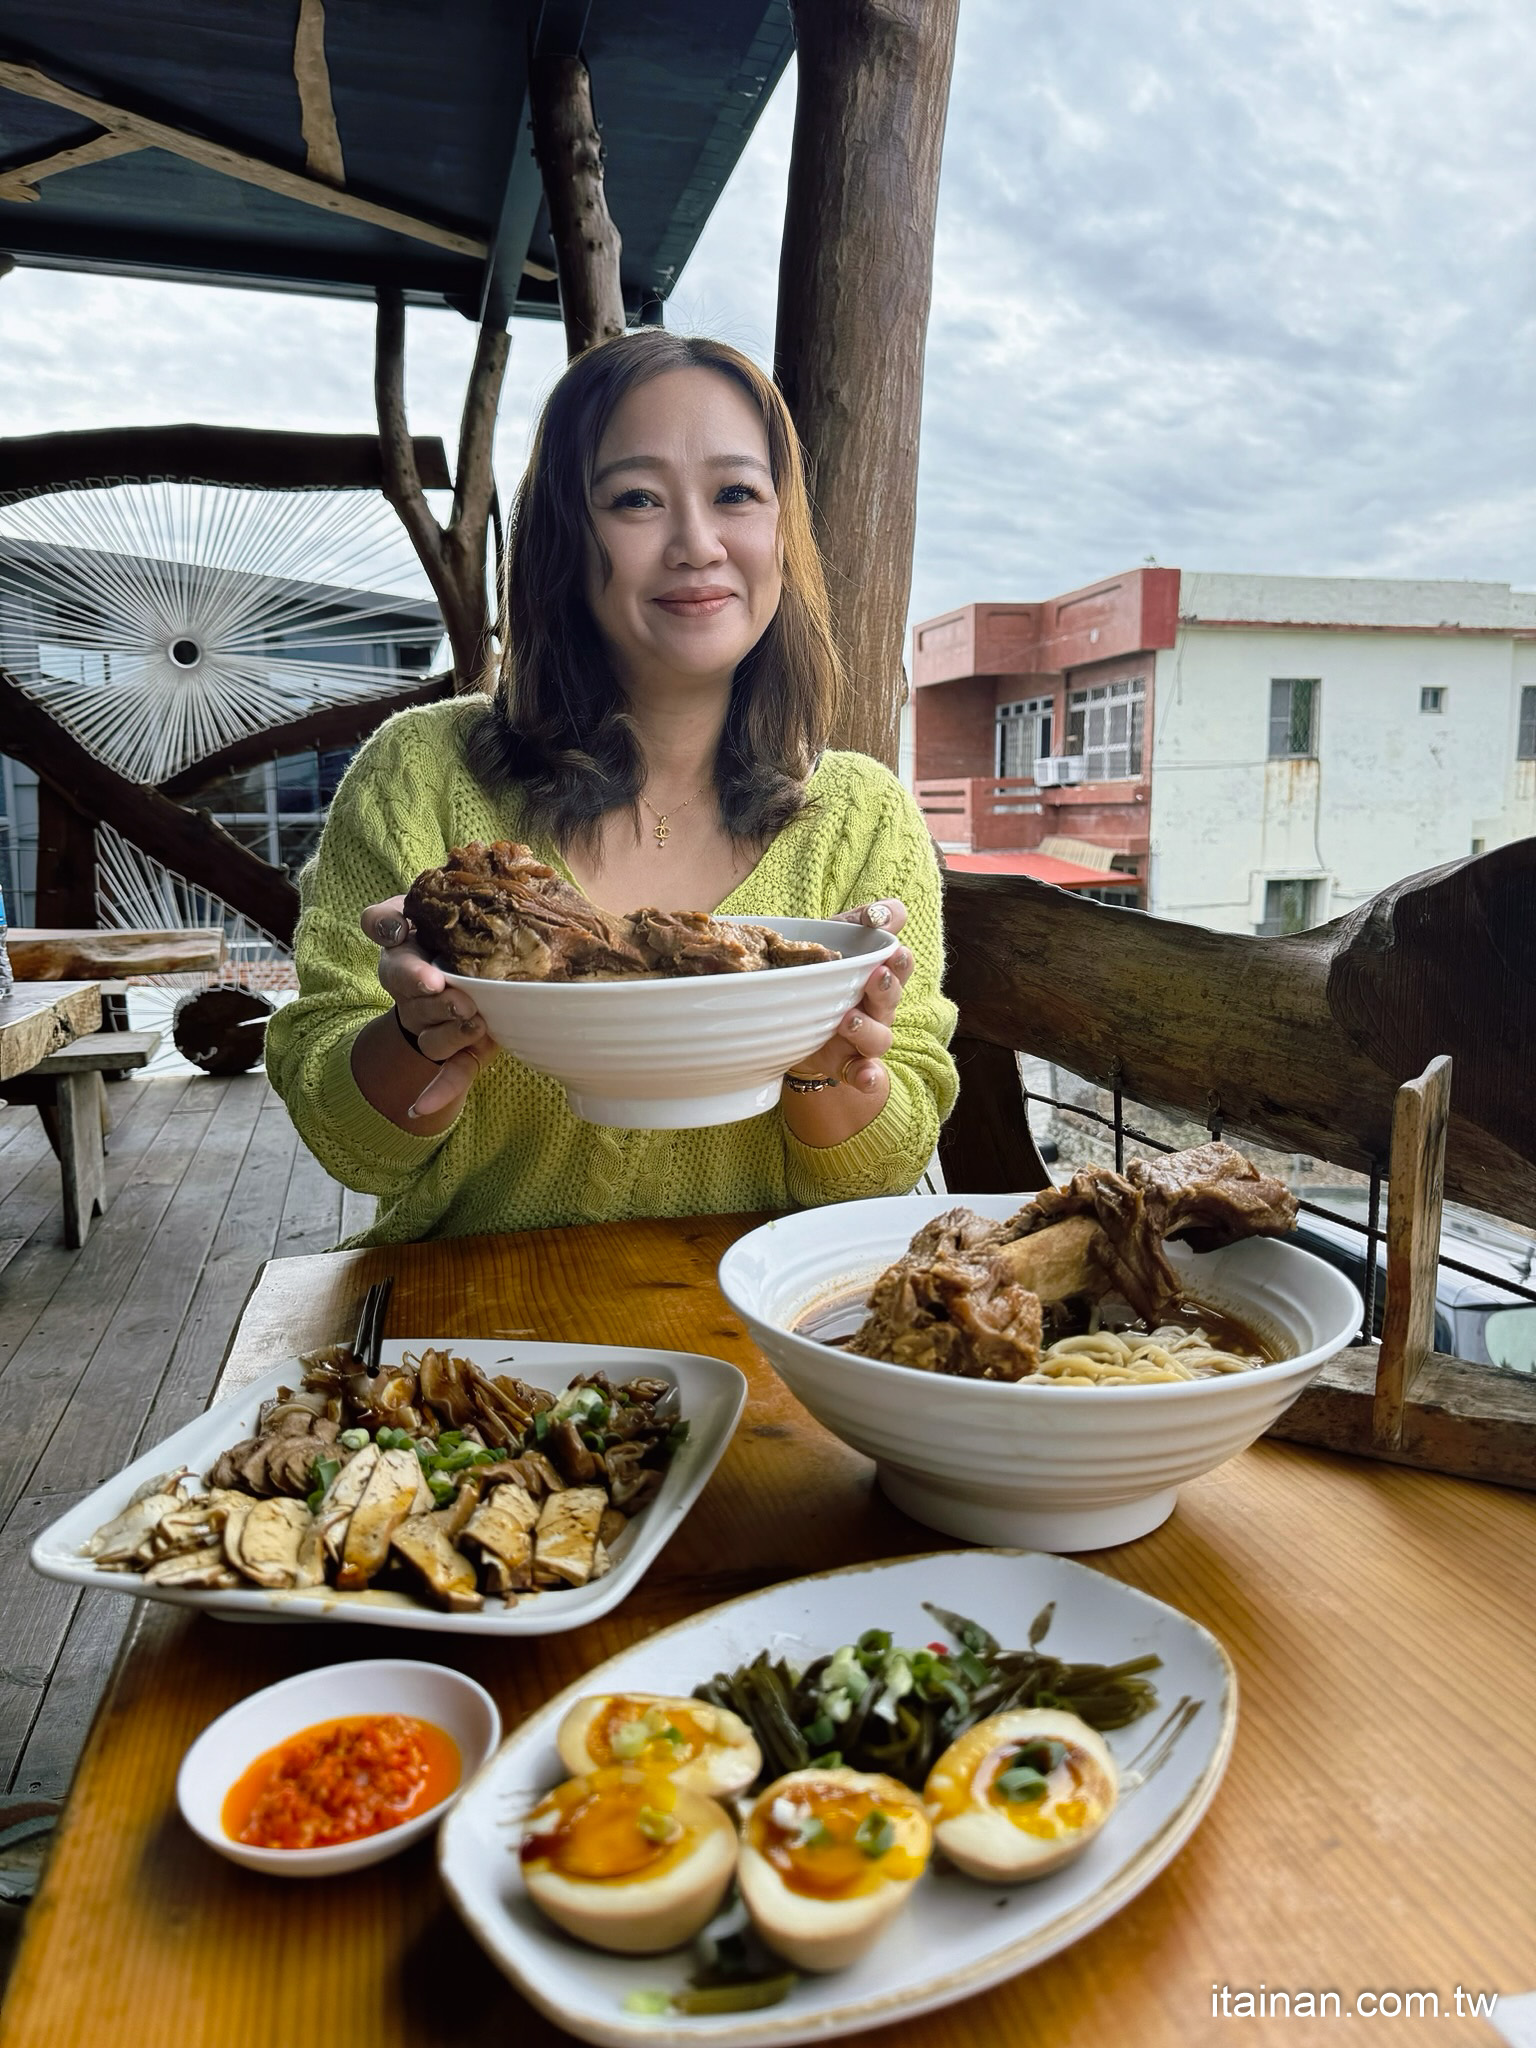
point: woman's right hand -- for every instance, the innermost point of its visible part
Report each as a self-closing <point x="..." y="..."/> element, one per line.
<point x="450" y="1031"/>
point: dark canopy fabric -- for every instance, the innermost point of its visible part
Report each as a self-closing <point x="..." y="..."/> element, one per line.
<point x="430" y="110"/>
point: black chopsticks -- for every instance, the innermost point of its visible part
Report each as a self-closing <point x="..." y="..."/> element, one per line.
<point x="369" y="1341"/>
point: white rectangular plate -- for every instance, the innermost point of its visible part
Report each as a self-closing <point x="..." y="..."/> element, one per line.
<point x="956" y="1936"/>
<point x="710" y="1397"/>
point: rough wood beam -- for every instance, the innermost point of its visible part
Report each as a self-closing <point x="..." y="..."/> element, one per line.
<point x="1301" y="1043"/>
<point x="258" y="458"/>
<point x="855" y="280"/>
<point x="317" y="114"/>
<point x="234" y="163"/>
<point x="187" y="842"/>
<point x="334" y="725"/>
<point x="569" y="148"/>
<point x="19" y="184"/>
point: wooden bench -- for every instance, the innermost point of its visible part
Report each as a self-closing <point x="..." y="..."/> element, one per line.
<point x="67" y="1089"/>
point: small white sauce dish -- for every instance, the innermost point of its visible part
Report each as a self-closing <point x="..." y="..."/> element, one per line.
<point x="378" y="1685"/>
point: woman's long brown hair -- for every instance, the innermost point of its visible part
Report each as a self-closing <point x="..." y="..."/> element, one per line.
<point x="557" y="728"/>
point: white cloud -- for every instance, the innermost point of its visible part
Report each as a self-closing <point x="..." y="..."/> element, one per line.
<point x="1244" y="286"/>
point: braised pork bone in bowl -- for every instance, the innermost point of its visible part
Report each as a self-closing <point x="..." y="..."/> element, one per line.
<point x="656" y="1021"/>
<point x="1008" y="1424"/>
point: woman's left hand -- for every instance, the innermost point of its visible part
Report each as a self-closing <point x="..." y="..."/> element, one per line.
<point x="853" y="1054"/>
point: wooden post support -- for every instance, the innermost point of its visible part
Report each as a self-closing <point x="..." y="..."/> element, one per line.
<point x="81" y="1101"/>
<point x="1420" y="1117"/>
<point x="569" y="147"/>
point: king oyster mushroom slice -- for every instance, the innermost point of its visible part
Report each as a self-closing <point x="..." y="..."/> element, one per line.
<point x="501" y="1528"/>
<point x="270" y="1540"/>
<point x="343" y="1495"/>
<point x="239" y="1510"/>
<point x="390" y="1495"/>
<point x="427" y="1543"/>
<point x="565" y="1540"/>
<point x="193" y="1569"/>
<point x="125" y="1540"/>
<point x="197" y="1524"/>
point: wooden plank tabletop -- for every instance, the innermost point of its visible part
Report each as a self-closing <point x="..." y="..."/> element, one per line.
<point x="45" y="953"/>
<point x="1374" y="1831"/>
<point x="38" y="1017"/>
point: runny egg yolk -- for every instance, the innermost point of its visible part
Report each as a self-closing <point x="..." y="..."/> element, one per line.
<point x="614" y="1825"/>
<point x="642" y="1733"/>
<point x="830" y="1841"/>
<point x="1045" y="1786"/>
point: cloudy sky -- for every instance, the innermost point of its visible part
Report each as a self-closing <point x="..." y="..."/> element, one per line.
<point x="1235" y="284"/>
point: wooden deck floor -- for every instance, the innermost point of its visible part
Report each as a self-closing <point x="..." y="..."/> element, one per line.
<point x="105" y="1350"/>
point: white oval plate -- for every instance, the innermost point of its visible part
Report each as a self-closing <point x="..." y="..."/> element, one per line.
<point x="956" y="1937"/>
<point x="711" y="1394"/>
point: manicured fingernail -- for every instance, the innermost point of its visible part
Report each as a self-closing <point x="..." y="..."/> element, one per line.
<point x="853" y="1021"/>
<point x="887" y="981"/>
<point x="390" y="930"/>
<point x="878" y="915"/>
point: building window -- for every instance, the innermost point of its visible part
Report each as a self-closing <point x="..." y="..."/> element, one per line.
<point x="1525" y="746"/>
<point x="1125" y="897"/>
<point x="1293" y="718"/>
<point x="1432" y="700"/>
<point x="1023" y="735"/>
<point x="1104" y="725"/>
<point x="1288" y="907"/>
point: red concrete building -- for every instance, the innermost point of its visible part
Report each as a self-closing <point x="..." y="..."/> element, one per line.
<point x="1030" y="729"/>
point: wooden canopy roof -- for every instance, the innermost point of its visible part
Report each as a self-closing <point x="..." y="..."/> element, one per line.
<point x="377" y="145"/>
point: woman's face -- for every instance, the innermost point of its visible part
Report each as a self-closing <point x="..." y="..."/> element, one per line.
<point x="682" y="499"/>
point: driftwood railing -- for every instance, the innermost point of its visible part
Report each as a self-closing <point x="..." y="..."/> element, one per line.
<point x="1398" y="1040"/>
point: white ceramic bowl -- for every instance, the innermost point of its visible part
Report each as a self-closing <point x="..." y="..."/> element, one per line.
<point x="1042" y="1467"/>
<point x="376" y="1685"/>
<point x="673" y="1054"/>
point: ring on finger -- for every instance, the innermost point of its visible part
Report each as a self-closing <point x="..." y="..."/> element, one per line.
<point x="854" y="1059"/>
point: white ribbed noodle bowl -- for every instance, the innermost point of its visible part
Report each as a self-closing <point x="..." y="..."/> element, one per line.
<point x="1038" y="1466"/>
<point x="670" y="1055"/>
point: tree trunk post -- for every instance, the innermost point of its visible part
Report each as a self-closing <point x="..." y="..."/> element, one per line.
<point x="855" y="282"/>
<point x="569" y="148"/>
<point x="454" y="555"/>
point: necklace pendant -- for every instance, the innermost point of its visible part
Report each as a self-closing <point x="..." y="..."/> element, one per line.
<point x="661" y="832"/>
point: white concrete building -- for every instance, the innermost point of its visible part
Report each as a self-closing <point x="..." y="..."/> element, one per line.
<point x="1250" y="753"/>
<point x="1315" y="739"/>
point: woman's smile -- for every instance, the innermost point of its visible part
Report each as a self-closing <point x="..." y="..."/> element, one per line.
<point x="702" y="603"/>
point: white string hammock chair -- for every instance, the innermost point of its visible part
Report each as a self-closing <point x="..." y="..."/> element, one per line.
<point x="161" y="621"/>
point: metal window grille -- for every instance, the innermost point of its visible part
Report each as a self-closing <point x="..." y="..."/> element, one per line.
<point x="1432" y="698"/>
<point x="1105" y="725"/>
<point x="1023" y="735"/>
<point x="1293" y="717"/>
<point x="1525" y="747"/>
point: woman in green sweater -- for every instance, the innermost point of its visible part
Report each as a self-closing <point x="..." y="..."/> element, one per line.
<point x="657" y="733"/>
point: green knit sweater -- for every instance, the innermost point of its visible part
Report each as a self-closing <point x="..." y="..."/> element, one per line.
<point x="516" y="1158"/>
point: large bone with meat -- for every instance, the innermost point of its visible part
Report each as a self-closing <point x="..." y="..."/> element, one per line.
<point x="967" y="1298"/>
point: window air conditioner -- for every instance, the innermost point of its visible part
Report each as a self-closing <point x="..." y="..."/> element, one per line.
<point x="1060" y="771"/>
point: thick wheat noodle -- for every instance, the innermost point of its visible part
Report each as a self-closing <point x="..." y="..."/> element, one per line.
<point x="1136" y="1358"/>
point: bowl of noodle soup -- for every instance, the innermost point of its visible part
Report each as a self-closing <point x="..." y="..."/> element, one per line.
<point x="1087" y="1452"/>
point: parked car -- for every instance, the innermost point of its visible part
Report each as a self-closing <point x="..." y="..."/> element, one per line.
<point x="1475" y="1319"/>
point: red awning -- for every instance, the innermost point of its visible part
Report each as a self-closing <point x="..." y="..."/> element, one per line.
<point x="1040" y="867"/>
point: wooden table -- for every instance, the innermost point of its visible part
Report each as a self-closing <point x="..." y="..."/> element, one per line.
<point x="1374" y="1832"/>
<point x="43" y="953"/>
<point x="38" y="1017"/>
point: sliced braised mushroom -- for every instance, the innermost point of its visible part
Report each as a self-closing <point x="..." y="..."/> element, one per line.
<point x="270" y="1538"/>
<point x="193" y="1568"/>
<point x="566" y="1536"/>
<point x="128" y="1536"/>
<point x="388" y="1498"/>
<point x="234" y="1522"/>
<point x="426" y="1544"/>
<point x="343" y="1495"/>
<point x="612" y="1526"/>
<point x="566" y="1451"/>
<point x="501" y="1529"/>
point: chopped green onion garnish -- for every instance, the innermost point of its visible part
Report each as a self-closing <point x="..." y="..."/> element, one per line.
<point x="442" y="1487"/>
<point x="820" y="1732"/>
<point x="655" y="1825"/>
<point x="1043" y="1755"/>
<point x="648" y="2004"/>
<point x="874" y="1642"/>
<point x="1021" y="1784"/>
<point x="352" y="1439"/>
<point x="814" y="1834"/>
<point x="829" y="1760"/>
<point x="875" y="1833"/>
<point x="450" y="1439"/>
<point x="972" y="1667"/>
<point x="325" y="1471"/>
<point x="541" y="1425"/>
<point x="314" y="1500"/>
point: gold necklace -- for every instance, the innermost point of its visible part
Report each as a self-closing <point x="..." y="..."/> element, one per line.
<point x="661" y="831"/>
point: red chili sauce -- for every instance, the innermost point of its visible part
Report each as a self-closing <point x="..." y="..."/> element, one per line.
<point x="341" y="1780"/>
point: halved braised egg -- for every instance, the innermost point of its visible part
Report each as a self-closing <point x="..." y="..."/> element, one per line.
<point x="828" y="1859"/>
<point x="707" y="1749"/>
<point x="1020" y="1793"/>
<point x="628" y="1860"/>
